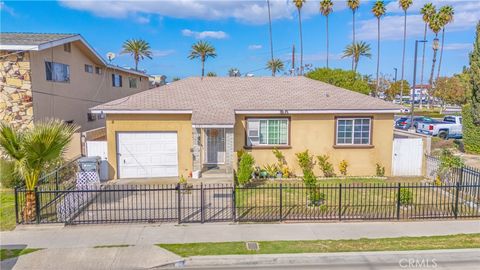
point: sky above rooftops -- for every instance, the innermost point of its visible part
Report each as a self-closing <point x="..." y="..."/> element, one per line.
<point x="239" y="31"/>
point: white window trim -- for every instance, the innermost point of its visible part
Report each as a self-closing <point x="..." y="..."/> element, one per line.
<point x="353" y="130"/>
<point x="267" y="119"/>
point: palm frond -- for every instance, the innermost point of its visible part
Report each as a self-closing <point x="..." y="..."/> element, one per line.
<point x="11" y="141"/>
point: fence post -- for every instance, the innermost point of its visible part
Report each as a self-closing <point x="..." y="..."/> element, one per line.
<point x="37" y="205"/>
<point x="340" y="202"/>
<point x="16" y="205"/>
<point x="202" y="197"/>
<point x="398" y="201"/>
<point x="281" y="201"/>
<point x="456" y="200"/>
<point x="234" y="204"/>
<point x="179" y="210"/>
<point x="56" y="179"/>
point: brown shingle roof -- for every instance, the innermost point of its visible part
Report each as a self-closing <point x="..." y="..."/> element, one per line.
<point x="214" y="100"/>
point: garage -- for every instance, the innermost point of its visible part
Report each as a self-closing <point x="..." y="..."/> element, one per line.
<point x="147" y="154"/>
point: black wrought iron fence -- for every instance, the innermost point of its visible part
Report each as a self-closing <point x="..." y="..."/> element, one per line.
<point x="255" y="203"/>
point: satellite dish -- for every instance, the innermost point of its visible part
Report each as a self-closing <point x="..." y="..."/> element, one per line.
<point x="110" y="56"/>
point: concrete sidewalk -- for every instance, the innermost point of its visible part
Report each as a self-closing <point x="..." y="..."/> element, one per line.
<point x="88" y="236"/>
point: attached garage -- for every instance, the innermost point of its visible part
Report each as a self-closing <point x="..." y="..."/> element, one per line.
<point x="147" y="154"/>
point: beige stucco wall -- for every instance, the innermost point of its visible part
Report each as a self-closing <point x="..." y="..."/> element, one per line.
<point x="316" y="133"/>
<point x="181" y="123"/>
<point x="72" y="100"/>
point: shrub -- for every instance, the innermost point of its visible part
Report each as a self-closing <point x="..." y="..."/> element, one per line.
<point x="325" y="166"/>
<point x="316" y="197"/>
<point x="306" y="163"/>
<point x="471" y="132"/>
<point x="280" y="157"/>
<point x="239" y="155"/>
<point x="406" y="197"/>
<point x="449" y="161"/>
<point x="342" y="78"/>
<point x="380" y="170"/>
<point x="271" y="169"/>
<point x="245" y="169"/>
<point x="342" y="167"/>
<point x="8" y="177"/>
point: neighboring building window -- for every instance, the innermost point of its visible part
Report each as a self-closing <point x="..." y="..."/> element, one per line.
<point x="89" y="68"/>
<point x="272" y="131"/>
<point x="57" y="72"/>
<point x="67" y="47"/>
<point x="132" y="82"/>
<point x="353" y="131"/>
<point x="116" y="80"/>
<point x="98" y="70"/>
<point x="91" y="117"/>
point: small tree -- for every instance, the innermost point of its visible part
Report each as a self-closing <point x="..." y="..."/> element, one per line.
<point x="395" y="89"/>
<point x="325" y="166"/>
<point x="245" y="168"/>
<point x="342" y="78"/>
<point x="450" y="90"/>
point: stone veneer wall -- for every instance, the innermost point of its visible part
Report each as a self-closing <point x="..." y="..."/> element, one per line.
<point x="229" y="141"/>
<point x="196" y="151"/>
<point x="16" y="101"/>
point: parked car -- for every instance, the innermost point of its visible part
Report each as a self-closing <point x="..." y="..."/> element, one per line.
<point x="450" y="127"/>
<point x="404" y="122"/>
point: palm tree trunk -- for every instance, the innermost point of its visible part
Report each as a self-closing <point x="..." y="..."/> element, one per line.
<point x="378" y="55"/>
<point x="203" y="67"/>
<point x="423" y="65"/>
<point x="270" y="30"/>
<point x="301" y="41"/>
<point x="430" y="81"/>
<point x="441" y="53"/>
<point x="355" y="64"/>
<point x="28" y="212"/>
<point x="403" y="55"/>
<point x="353" y="37"/>
<point x="136" y="62"/>
<point x="327" y="41"/>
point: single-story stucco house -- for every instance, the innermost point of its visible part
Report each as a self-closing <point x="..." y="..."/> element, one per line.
<point x="198" y="124"/>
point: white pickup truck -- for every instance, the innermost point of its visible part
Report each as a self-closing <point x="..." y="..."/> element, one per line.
<point x="450" y="127"/>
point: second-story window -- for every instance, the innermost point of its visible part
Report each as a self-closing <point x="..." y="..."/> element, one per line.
<point x="98" y="70"/>
<point x="57" y="72"/>
<point x="67" y="47"/>
<point x="89" y="68"/>
<point x="132" y="82"/>
<point x="116" y="80"/>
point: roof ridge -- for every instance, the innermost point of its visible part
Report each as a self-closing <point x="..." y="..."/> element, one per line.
<point x="37" y="33"/>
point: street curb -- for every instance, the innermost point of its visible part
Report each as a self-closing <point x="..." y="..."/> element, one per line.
<point x="308" y="258"/>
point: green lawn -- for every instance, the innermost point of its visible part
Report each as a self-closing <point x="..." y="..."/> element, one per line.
<point x="320" y="246"/>
<point x="10" y="253"/>
<point x="7" y="210"/>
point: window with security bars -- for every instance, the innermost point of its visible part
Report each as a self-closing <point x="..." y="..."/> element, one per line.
<point x="267" y="131"/>
<point x="352" y="131"/>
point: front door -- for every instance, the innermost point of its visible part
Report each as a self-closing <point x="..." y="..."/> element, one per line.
<point x="214" y="146"/>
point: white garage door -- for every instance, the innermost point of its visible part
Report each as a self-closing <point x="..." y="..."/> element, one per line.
<point x="147" y="154"/>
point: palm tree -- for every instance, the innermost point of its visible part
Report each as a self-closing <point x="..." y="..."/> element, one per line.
<point x="326" y="7"/>
<point x="202" y="50"/>
<point x="32" y="151"/>
<point x="404" y="4"/>
<point x="353" y="5"/>
<point x="275" y="66"/>
<point x="138" y="48"/>
<point x="427" y="11"/>
<point x="435" y="24"/>
<point x="234" y="72"/>
<point x="356" y="51"/>
<point x="446" y="13"/>
<point x="299" y="5"/>
<point x="378" y="11"/>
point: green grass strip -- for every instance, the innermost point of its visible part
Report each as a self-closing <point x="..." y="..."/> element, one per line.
<point x="457" y="241"/>
<point x="11" y="253"/>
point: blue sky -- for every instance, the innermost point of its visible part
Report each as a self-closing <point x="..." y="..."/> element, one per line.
<point x="239" y="31"/>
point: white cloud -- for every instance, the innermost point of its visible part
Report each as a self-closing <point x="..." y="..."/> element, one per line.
<point x="162" y="53"/>
<point x="465" y="18"/>
<point x="7" y="9"/>
<point x="142" y="19"/>
<point x="255" y="47"/>
<point x="204" y="34"/>
<point x="246" y="11"/>
<point x="458" y="46"/>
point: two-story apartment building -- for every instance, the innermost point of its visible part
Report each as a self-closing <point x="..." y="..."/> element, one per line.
<point x="58" y="76"/>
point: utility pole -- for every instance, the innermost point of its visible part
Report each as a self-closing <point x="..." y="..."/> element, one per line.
<point x="270" y="24"/>
<point x="414" y="82"/>
<point x="293" y="60"/>
<point x="395" y="78"/>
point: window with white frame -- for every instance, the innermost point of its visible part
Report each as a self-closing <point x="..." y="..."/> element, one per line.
<point x="57" y="72"/>
<point x="267" y="131"/>
<point x="116" y="80"/>
<point x="353" y="131"/>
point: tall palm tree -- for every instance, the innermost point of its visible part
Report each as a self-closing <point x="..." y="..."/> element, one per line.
<point x="299" y="5"/>
<point x="356" y="51"/>
<point x="427" y="11"/>
<point x="326" y="7"/>
<point x="202" y="50"/>
<point x="138" y="48"/>
<point x="32" y="151"/>
<point x="275" y="65"/>
<point x="446" y="13"/>
<point x="353" y="5"/>
<point x="270" y="29"/>
<point x="435" y="24"/>
<point x="404" y="4"/>
<point x="378" y="11"/>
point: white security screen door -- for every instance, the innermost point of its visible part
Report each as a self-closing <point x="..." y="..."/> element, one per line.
<point x="214" y="146"/>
